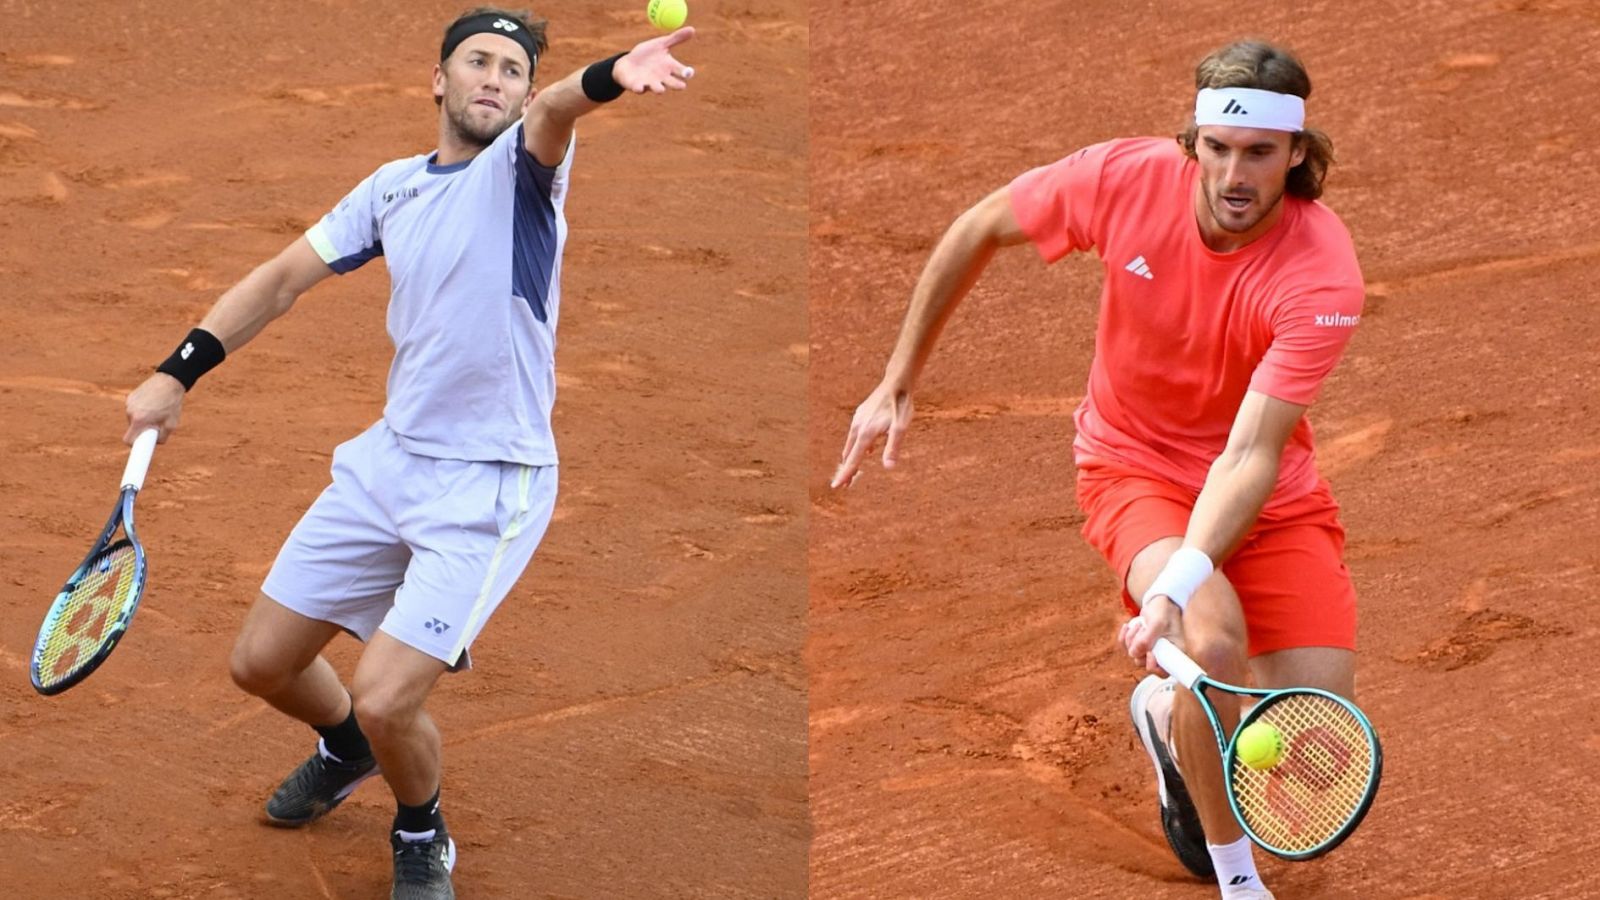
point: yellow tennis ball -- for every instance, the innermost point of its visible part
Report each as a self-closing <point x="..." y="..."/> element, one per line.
<point x="667" y="15"/>
<point x="1260" y="746"/>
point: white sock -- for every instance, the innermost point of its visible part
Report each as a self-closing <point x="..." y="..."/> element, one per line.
<point x="1236" y="867"/>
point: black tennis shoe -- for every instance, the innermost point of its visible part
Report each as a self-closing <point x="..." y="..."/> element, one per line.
<point x="422" y="867"/>
<point x="1180" y="821"/>
<point x="316" y="787"/>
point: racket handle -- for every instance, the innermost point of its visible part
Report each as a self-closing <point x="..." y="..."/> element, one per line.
<point x="144" y="446"/>
<point x="1177" y="663"/>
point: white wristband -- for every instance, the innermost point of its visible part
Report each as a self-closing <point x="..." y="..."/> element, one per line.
<point x="1183" y="574"/>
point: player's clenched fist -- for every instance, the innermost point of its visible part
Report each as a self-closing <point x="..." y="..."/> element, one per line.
<point x="154" y="404"/>
<point x="886" y="410"/>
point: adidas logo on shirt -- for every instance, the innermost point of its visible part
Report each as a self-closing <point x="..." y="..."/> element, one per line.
<point x="1140" y="267"/>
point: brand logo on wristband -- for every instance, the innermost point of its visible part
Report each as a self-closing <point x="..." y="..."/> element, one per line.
<point x="188" y="348"/>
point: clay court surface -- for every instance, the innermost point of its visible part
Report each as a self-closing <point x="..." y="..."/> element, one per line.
<point x="635" y="724"/>
<point x="969" y="733"/>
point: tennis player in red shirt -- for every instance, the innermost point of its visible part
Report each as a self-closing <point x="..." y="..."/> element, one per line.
<point x="1230" y="294"/>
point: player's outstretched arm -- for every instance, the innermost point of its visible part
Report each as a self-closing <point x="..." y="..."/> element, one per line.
<point x="1240" y="481"/>
<point x="952" y="270"/>
<point x="551" y="113"/>
<point x="238" y="315"/>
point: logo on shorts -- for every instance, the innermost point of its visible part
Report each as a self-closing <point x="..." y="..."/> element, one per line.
<point x="504" y="25"/>
<point x="436" y="626"/>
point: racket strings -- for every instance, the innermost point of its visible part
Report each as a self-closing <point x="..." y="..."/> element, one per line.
<point x="90" y="613"/>
<point x="1321" y="782"/>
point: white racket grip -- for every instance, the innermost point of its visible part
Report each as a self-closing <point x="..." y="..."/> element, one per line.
<point x="1177" y="663"/>
<point x="144" y="447"/>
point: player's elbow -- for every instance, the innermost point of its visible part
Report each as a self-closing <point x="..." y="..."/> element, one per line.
<point x="276" y="287"/>
<point x="988" y="223"/>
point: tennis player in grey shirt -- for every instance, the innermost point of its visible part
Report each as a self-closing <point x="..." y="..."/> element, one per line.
<point x="435" y="510"/>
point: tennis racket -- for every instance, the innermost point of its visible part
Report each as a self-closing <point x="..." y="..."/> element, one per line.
<point x="1326" y="780"/>
<point x="93" y="610"/>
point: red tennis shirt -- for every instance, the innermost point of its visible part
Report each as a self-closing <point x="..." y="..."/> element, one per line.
<point x="1185" y="331"/>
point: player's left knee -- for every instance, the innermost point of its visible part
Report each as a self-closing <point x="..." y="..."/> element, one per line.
<point x="1220" y="653"/>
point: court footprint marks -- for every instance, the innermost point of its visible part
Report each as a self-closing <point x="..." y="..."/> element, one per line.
<point x="766" y="514"/>
<point x="1506" y="510"/>
<point x="1353" y="447"/>
<point x="342" y="95"/>
<point x="977" y="410"/>
<point x="16" y="131"/>
<point x="1476" y="637"/>
<point x="1055" y="743"/>
<point x="37" y="100"/>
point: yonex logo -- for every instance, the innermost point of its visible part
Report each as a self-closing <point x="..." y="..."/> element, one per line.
<point x="505" y="25"/>
<point x="1140" y="267"/>
<point x="1334" y="320"/>
<point x="1234" y="109"/>
<point x="436" y="626"/>
<point x="188" y="348"/>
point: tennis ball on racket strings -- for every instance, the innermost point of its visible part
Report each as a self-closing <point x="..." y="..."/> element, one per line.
<point x="1260" y="746"/>
<point x="667" y="15"/>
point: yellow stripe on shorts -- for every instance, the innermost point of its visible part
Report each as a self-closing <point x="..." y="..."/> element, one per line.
<point x="524" y="480"/>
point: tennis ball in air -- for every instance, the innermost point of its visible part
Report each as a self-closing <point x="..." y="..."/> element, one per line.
<point x="1260" y="746"/>
<point x="667" y="15"/>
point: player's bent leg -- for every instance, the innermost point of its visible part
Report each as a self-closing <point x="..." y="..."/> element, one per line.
<point x="391" y="683"/>
<point x="1191" y="797"/>
<point x="1331" y="669"/>
<point x="1151" y="710"/>
<point x="1214" y="637"/>
<point x="278" y="657"/>
<point x="1202" y="832"/>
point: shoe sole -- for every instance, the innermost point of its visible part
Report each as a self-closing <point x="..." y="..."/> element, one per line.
<point x="1178" y="815"/>
<point x="333" y="804"/>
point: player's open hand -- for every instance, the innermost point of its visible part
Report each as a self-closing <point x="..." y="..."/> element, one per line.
<point x="1160" y="618"/>
<point x="651" y="67"/>
<point x="154" y="404"/>
<point x="886" y="410"/>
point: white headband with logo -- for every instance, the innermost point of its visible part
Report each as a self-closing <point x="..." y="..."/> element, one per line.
<point x="1249" y="108"/>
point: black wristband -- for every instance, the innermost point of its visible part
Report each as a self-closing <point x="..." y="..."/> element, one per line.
<point x="598" y="85"/>
<point x="199" y="353"/>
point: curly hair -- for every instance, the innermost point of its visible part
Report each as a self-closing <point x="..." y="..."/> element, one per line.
<point x="1260" y="65"/>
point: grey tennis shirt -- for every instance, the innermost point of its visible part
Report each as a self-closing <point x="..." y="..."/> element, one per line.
<point x="474" y="254"/>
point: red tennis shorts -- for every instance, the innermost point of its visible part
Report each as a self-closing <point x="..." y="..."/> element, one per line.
<point x="1289" y="572"/>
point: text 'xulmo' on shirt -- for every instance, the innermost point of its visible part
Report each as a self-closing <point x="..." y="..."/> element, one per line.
<point x="474" y="256"/>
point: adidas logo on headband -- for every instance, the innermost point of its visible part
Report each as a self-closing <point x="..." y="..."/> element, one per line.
<point x="1274" y="111"/>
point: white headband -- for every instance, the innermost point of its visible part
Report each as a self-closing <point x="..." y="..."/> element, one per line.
<point x="1249" y="108"/>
